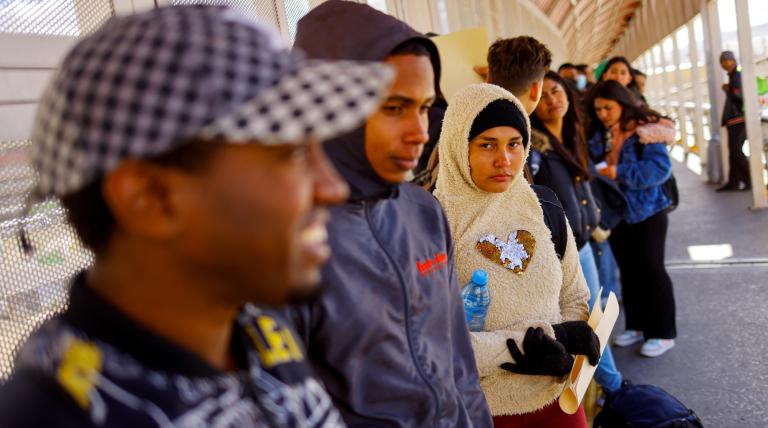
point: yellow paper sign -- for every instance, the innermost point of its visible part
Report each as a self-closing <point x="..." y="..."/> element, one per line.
<point x="460" y="52"/>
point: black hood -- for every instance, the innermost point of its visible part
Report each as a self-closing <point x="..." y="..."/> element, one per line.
<point x="345" y="30"/>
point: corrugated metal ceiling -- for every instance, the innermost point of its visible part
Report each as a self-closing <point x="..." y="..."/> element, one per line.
<point x="596" y="29"/>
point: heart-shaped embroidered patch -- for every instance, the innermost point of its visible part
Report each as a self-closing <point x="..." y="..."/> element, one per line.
<point x="515" y="254"/>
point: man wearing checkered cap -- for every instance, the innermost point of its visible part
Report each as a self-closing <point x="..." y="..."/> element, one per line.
<point x="184" y="144"/>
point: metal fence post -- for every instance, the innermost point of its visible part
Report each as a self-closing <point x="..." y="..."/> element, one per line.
<point x="693" y="55"/>
<point x="717" y="169"/>
<point x="751" y="109"/>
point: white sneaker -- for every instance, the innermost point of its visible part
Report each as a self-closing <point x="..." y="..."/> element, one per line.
<point x="629" y="337"/>
<point x="656" y="347"/>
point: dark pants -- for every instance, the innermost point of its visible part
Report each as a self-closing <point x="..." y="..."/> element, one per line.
<point x="737" y="161"/>
<point x="649" y="302"/>
<point x="548" y="417"/>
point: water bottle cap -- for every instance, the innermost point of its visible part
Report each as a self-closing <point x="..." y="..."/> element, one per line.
<point x="480" y="277"/>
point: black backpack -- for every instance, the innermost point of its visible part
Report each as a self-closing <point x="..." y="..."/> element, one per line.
<point x="554" y="217"/>
<point x="645" y="406"/>
<point x="669" y="187"/>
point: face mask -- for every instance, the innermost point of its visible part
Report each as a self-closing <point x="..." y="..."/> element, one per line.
<point x="581" y="82"/>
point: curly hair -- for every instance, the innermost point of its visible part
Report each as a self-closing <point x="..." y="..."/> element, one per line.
<point x="514" y="64"/>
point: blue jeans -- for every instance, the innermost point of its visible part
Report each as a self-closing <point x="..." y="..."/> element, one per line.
<point x="606" y="374"/>
<point x="607" y="268"/>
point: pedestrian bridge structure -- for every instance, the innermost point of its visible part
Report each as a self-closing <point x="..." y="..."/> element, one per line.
<point x="717" y="251"/>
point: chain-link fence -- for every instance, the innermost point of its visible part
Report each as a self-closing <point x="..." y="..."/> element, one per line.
<point x="267" y="11"/>
<point x="53" y="17"/>
<point x="33" y="284"/>
<point x="263" y="10"/>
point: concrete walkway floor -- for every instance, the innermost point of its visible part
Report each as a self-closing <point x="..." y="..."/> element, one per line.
<point x="719" y="366"/>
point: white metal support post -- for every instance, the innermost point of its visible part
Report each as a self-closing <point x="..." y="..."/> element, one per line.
<point x="681" y="115"/>
<point x="439" y="16"/>
<point x="645" y="67"/>
<point x="664" y="78"/>
<point x="698" y="126"/>
<point x="658" y="91"/>
<point x="717" y="165"/>
<point x="650" y="84"/>
<point x="751" y="110"/>
<point x="282" y="21"/>
<point x="640" y="64"/>
<point x="654" y="80"/>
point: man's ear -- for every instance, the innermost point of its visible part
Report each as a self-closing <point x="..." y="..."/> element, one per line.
<point x="141" y="198"/>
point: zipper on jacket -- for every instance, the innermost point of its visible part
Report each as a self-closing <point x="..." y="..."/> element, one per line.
<point x="406" y="306"/>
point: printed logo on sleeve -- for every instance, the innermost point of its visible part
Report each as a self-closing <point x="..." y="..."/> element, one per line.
<point x="433" y="264"/>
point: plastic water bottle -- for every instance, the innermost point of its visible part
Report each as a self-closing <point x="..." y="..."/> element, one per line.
<point x="476" y="300"/>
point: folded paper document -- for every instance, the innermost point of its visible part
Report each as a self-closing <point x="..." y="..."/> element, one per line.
<point x="602" y="321"/>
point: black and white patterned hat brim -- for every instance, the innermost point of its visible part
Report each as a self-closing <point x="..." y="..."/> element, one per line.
<point x="145" y="83"/>
<point x="318" y="101"/>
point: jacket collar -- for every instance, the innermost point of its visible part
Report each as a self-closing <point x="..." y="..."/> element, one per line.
<point x="97" y="318"/>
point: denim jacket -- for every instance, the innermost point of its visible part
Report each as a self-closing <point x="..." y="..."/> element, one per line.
<point x="640" y="172"/>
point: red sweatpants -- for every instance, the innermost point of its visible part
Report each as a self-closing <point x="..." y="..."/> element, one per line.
<point x="550" y="416"/>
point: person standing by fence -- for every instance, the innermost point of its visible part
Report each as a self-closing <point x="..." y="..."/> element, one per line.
<point x="733" y="120"/>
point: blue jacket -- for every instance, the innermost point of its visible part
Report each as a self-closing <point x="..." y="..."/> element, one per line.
<point x="642" y="169"/>
<point x="388" y="336"/>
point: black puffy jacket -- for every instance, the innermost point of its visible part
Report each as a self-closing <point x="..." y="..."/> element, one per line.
<point x="388" y="337"/>
<point x="574" y="192"/>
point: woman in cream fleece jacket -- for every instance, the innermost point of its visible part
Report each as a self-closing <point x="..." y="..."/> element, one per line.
<point x="498" y="225"/>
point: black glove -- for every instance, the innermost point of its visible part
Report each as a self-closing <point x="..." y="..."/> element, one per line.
<point x="579" y="338"/>
<point x="543" y="355"/>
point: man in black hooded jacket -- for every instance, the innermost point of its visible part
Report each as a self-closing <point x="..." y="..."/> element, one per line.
<point x="388" y="337"/>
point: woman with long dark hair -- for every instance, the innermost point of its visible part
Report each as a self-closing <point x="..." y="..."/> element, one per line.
<point x="619" y="69"/>
<point x="628" y="146"/>
<point x="559" y="159"/>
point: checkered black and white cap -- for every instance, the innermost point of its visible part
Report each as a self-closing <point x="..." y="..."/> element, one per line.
<point x="146" y="83"/>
